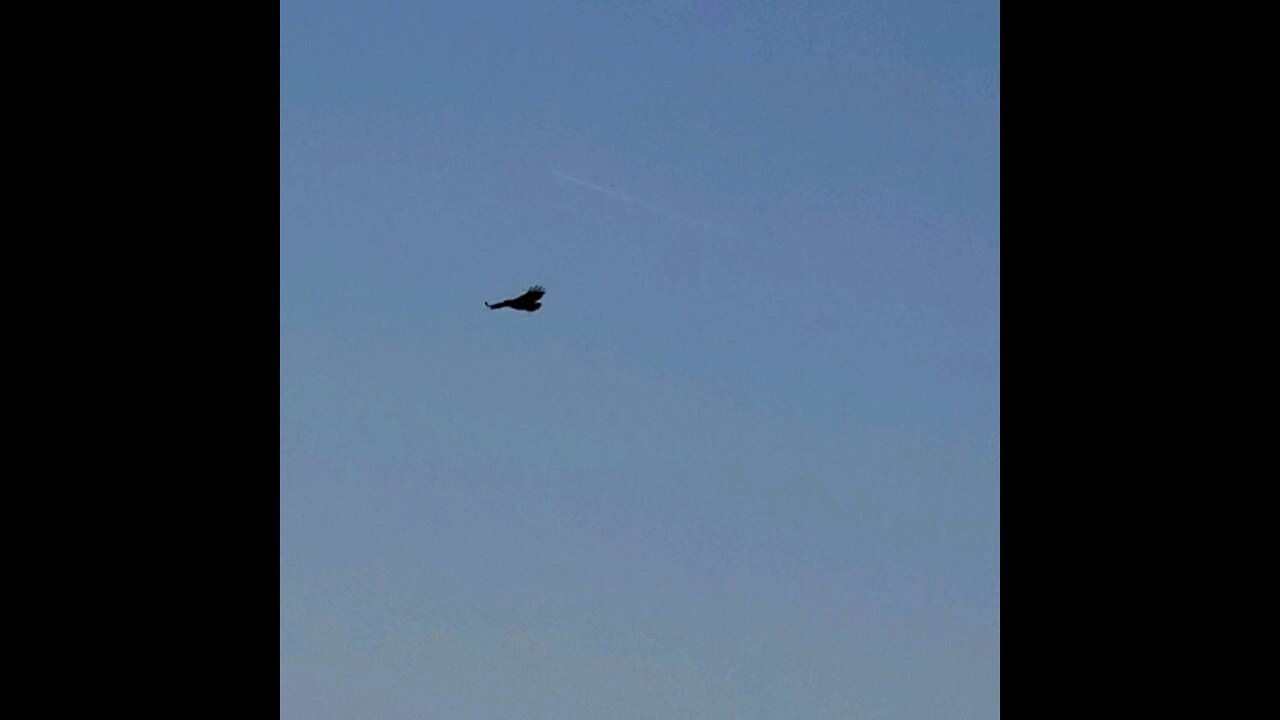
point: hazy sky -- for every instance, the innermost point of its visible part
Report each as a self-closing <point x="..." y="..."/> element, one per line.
<point x="744" y="463"/>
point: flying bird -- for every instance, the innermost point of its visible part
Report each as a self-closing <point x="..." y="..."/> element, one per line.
<point x="527" y="302"/>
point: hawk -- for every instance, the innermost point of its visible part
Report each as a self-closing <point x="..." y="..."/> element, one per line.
<point x="527" y="302"/>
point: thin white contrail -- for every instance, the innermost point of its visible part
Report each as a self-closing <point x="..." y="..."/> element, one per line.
<point x="651" y="208"/>
<point x="604" y="190"/>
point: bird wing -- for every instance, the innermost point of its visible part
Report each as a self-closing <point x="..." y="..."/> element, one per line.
<point x="533" y="294"/>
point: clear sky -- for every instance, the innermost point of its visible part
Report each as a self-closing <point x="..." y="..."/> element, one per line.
<point x="744" y="462"/>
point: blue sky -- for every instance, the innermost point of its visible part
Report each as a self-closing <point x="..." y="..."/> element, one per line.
<point x="743" y="463"/>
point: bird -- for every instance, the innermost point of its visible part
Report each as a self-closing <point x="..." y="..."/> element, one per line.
<point x="527" y="302"/>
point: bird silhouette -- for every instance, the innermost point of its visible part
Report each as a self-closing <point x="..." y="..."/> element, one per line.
<point x="527" y="302"/>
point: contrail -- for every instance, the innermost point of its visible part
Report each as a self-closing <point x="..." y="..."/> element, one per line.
<point x="606" y="191"/>
<point x="651" y="208"/>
